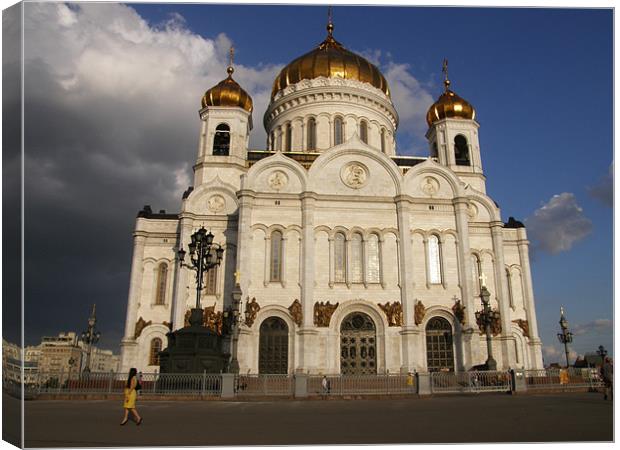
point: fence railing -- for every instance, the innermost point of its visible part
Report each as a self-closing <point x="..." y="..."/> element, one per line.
<point x="264" y="385"/>
<point x="563" y="378"/>
<point x="474" y="381"/>
<point x="228" y="385"/>
<point x="382" y="384"/>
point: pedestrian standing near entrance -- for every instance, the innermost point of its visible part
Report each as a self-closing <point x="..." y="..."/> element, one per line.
<point x="607" y="372"/>
<point x="129" y="402"/>
<point x="325" y="385"/>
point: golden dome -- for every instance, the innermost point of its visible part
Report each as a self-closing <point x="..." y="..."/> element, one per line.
<point x="449" y="105"/>
<point x="330" y="59"/>
<point x="228" y="93"/>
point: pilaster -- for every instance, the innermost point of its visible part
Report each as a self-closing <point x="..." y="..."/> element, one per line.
<point x="135" y="283"/>
<point x="405" y="256"/>
<point x="502" y="294"/>
<point x="179" y="303"/>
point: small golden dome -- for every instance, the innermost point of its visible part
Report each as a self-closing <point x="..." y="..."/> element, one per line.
<point x="331" y="60"/>
<point x="449" y="105"/>
<point x="228" y="93"/>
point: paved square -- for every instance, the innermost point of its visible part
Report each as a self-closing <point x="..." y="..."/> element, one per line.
<point x="449" y="419"/>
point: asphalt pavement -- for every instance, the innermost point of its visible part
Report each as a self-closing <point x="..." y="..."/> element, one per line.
<point x="440" y="419"/>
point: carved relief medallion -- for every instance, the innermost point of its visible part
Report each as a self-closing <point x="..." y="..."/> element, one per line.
<point x="430" y="186"/>
<point x="323" y="313"/>
<point x="394" y="313"/>
<point x="216" y="203"/>
<point x="277" y="180"/>
<point x="419" y="312"/>
<point x="251" y="309"/>
<point x="296" y="312"/>
<point x="354" y="175"/>
<point x="141" y="324"/>
<point x="472" y="210"/>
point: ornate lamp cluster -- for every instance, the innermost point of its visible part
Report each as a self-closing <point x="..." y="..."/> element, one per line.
<point x="204" y="256"/>
<point x="487" y="317"/>
<point x="565" y="337"/>
<point x="90" y="337"/>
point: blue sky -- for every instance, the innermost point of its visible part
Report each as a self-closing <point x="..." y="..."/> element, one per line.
<point x="540" y="80"/>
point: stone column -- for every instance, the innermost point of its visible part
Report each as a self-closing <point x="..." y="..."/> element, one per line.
<point x="135" y="283"/>
<point x="308" y="334"/>
<point x="129" y="345"/>
<point x="502" y="294"/>
<point x="244" y="238"/>
<point x="179" y="299"/>
<point x="528" y="294"/>
<point x="471" y="340"/>
<point x="410" y="331"/>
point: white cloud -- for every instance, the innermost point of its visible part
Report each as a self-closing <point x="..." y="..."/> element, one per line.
<point x="558" y="224"/>
<point x="604" y="189"/>
<point x="552" y="353"/>
<point x="595" y="327"/>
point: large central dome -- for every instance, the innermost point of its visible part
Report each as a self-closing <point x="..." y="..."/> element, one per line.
<point x="330" y="59"/>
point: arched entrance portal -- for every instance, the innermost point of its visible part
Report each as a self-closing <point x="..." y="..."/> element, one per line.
<point x="273" y="346"/>
<point x="439" y="349"/>
<point x="358" y="345"/>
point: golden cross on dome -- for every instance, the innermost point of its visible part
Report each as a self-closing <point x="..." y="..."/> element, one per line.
<point x="237" y="276"/>
<point x="330" y="23"/>
<point x="562" y="311"/>
<point x="231" y="56"/>
<point x="444" y="69"/>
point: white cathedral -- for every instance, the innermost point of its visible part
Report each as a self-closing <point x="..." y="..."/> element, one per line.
<point x="350" y="258"/>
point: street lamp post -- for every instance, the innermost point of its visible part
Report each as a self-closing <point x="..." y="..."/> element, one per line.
<point x="565" y="337"/>
<point x="487" y="317"/>
<point x="233" y="320"/>
<point x="204" y="256"/>
<point x="90" y="337"/>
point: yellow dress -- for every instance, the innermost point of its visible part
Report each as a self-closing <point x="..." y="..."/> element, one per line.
<point x="130" y="398"/>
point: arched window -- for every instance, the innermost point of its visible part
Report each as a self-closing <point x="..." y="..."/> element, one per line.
<point x="276" y="256"/>
<point x="373" y="271"/>
<point x="510" y="294"/>
<point x="439" y="347"/>
<point x="288" y="137"/>
<point x="434" y="260"/>
<point x="221" y="140"/>
<point x="338" y="131"/>
<point x="461" y="150"/>
<point x="357" y="259"/>
<point x="364" y="131"/>
<point x="211" y="284"/>
<point x="383" y="143"/>
<point x="340" y="258"/>
<point x="162" y="277"/>
<point x="311" y="144"/>
<point x="154" y="353"/>
<point x="273" y="346"/>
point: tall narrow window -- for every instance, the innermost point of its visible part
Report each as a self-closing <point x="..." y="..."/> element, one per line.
<point x="364" y="131"/>
<point x="276" y="256"/>
<point x="434" y="260"/>
<point x="154" y="353"/>
<point x="461" y="150"/>
<point x="288" y="137"/>
<point x="373" y="271"/>
<point x="357" y="256"/>
<point x="221" y="140"/>
<point x="162" y="276"/>
<point x="340" y="258"/>
<point x="211" y="284"/>
<point x="509" y="283"/>
<point x="273" y="140"/>
<point x="383" y="143"/>
<point x="338" y="131"/>
<point x="311" y="145"/>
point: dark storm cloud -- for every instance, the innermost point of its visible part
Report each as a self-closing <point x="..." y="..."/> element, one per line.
<point x="111" y="124"/>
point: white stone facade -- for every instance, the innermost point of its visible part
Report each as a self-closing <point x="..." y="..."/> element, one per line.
<point x="422" y="228"/>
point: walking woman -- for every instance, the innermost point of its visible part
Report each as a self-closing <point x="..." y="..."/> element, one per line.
<point x="130" y="397"/>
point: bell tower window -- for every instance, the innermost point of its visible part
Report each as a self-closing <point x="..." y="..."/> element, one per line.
<point x="364" y="131"/>
<point x="338" y="130"/>
<point x="311" y="133"/>
<point x="221" y="140"/>
<point x="461" y="151"/>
